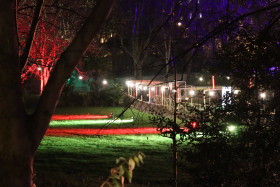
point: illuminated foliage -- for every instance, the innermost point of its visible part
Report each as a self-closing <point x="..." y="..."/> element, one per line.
<point x="124" y="170"/>
<point x="55" y="29"/>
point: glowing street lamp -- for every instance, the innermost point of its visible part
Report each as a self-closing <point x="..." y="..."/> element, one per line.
<point x="200" y="79"/>
<point x="192" y="92"/>
<point x="263" y="95"/>
<point x="104" y="82"/>
<point x="129" y="84"/>
<point x="179" y="24"/>
<point x="80" y="77"/>
<point x="231" y="128"/>
<point x="235" y="92"/>
<point x="211" y="93"/>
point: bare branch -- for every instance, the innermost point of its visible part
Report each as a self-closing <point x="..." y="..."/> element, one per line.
<point x="31" y="34"/>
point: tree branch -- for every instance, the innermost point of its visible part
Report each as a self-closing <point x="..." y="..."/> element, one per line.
<point x="65" y="65"/>
<point x="31" y="34"/>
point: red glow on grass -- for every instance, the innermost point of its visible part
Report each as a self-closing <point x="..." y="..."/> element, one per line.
<point x="123" y="131"/>
<point x="79" y="117"/>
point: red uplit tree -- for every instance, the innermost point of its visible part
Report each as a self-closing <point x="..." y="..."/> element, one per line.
<point x="50" y="38"/>
<point x="20" y="132"/>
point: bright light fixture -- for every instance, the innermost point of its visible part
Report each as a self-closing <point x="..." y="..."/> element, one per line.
<point x="200" y="78"/>
<point x="105" y="82"/>
<point x="262" y="95"/>
<point x="236" y="92"/>
<point x="211" y="93"/>
<point x="192" y="92"/>
<point x="129" y="84"/>
<point x="80" y="77"/>
<point x="231" y="128"/>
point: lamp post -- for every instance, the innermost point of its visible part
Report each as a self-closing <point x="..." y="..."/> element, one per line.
<point x="192" y="92"/>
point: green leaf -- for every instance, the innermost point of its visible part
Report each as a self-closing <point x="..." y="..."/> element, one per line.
<point x="136" y="160"/>
<point x="120" y="159"/>
<point x="140" y="158"/>
<point x="142" y="154"/>
<point x="121" y="171"/>
<point x="116" y="183"/>
<point x="129" y="175"/>
<point x="131" y="164"/>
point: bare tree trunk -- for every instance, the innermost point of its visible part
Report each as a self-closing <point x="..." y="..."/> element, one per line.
<point x="138" y="71"/>
<point x="16" y="152"/>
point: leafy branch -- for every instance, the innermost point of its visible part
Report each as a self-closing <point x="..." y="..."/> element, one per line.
<point x="124" y="169"/>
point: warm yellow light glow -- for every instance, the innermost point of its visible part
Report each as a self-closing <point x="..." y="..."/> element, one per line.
<point x="235" y="92"/>
<point x="105" y="82"/>
<point x="262" y="95"/>
<point x="211" y="93"/>
<point x="192" y="92"/>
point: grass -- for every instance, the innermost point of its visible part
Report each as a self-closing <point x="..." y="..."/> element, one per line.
<point x="141" y="119"/>
<point x="95" y="156"/>
<point x="87" y="160"/>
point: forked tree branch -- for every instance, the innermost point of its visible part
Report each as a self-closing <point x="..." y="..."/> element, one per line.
<point x="64" y="68"/>
<point x="31" y="34"/>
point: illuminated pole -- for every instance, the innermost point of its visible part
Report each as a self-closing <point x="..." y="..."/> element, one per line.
<point x="136" y="90"/>
<point x="174" y="133"/>
<point x="149" y="94"/>
<point x="213" y="82"/>
<point x="204" y="98"/>
<point x="41" y="80"/>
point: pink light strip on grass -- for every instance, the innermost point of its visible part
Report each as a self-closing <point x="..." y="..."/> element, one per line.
<point x="77" y="117"/>
<point x="122" y="131"/>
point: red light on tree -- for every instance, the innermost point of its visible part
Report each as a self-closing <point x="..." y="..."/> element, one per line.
<point x="193" y="124"/>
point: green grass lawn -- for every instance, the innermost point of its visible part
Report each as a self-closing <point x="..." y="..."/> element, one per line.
<point x="94" y="157"/>
<point x="140" y="119"/>
<point x="87" y="160"/>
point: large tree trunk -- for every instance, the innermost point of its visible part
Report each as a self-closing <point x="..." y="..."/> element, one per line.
<point x="21" y="134"/>
<point x="16" y="152"/>
<point x="138" y="71"/>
